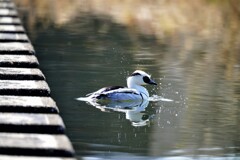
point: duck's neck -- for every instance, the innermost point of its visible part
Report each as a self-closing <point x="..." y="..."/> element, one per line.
<point x="139" y="88"/>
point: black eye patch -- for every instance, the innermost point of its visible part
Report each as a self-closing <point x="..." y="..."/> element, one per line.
<point x="146" y="79"/>
<point x="145" y="117"/>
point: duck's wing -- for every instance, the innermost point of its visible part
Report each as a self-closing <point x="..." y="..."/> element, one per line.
<point x="119" y="94"/>
<point x="122" y="90"/>
<point x="106" y="89"/>
<point x="113" y="88"/>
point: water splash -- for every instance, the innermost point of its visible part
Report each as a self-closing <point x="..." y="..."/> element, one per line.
<point x="156" y="98"/>
<point x="86" y="99"/>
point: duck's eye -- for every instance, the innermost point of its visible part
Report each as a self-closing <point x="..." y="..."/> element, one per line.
<point x="145" y="117"/>
<point x="146" y="79"/>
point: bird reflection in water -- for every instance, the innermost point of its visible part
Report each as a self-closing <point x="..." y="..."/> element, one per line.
<point x="134" y="110"/>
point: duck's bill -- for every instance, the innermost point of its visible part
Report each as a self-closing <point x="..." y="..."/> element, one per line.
<point x="152" y="82"/>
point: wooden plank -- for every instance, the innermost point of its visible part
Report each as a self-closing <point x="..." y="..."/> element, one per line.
<point x="12" y="157"/>
<point x="35" y="145"/>
<point x="39" y="136"/>
<point x="31" y="123"/>
<point x="26" y="61"/>
<point x="16" y="48"/>
<point x="30" y="119"/>
<point x="27" y="104"/>
<point x="8" y="5"/>
<point x="8" y="12"/>
<point x="10" y="20"/>
<point x="5" y="1"/>
<point x="11" y="29"/>
<point x="13" y="37"/>
<point x="21" y="74"/>
<point x="24" y="88"/>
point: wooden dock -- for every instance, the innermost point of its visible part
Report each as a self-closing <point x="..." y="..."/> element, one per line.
<point x="30" y="126"/>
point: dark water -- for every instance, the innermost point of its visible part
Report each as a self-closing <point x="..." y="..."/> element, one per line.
<point x="201" y="121"/>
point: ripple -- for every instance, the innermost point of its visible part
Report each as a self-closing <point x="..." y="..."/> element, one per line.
<point x="156" y="98"/>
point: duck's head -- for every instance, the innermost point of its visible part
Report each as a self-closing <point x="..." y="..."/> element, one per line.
<point x="139" y="77"/>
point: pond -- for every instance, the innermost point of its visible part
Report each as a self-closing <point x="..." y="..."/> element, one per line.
<point x="196" y="67"/>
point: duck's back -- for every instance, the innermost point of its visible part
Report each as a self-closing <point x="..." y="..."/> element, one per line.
<point x="117" y="93"/>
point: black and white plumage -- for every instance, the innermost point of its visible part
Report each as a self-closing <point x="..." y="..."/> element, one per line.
<point x="133" y="91"/>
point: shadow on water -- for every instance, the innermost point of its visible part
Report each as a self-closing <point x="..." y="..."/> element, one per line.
<point x="196" y="67"/>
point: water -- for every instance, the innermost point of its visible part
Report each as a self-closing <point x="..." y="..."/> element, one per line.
<point x="194" y="110"/>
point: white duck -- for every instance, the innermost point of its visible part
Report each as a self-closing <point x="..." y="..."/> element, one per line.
<point x="133" y="91"/>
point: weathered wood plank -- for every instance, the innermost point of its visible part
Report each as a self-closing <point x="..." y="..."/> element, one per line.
<point x="5" y="1"/>
<point x="12" y="157"/>
<point x="13" y="37"/>
<point x="8" y="5"/>
<point x="27" y="104"/>
<point x="39" y="136"/>
<point x="21" y="74"/>
<point x="35" y="145"/>
<point x="11" y="29"/>
<point x="8" y="12"/>
<point x="30" y="119"/>
<point x="10" y="20"/>
<point x="26" y="61"/>
<point x="24" y="88"/>
<point x="16" y="48"/>
<point x="31" y="123"/>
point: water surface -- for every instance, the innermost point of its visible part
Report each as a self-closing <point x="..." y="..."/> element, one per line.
<point x="198" y="82"/>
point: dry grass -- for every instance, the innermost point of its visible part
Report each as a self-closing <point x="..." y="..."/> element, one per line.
<point x="212" y="26"/>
